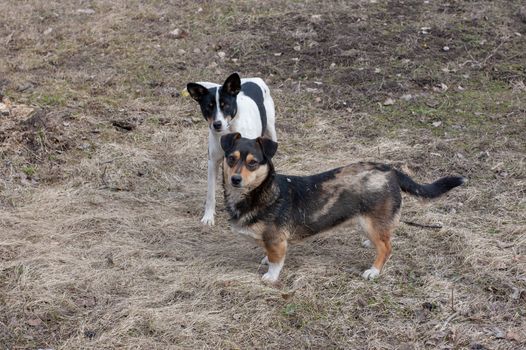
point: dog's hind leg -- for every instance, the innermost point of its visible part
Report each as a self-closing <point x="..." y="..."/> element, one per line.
<point x="380" y="236"/>
<point x="270" y="132"/>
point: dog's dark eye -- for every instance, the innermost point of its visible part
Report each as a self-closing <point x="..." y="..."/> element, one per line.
<point x="222" y="104"/>
<point x="211" y="105"/>
<point x="252" y="164"/>
<point x="231" y="159"/>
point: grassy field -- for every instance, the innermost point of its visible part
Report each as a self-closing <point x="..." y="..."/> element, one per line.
<point x="103" y="173"/>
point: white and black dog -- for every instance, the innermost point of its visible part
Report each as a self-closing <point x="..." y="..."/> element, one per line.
<point x="239" y="105"/>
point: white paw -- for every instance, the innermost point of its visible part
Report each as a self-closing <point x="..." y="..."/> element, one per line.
<point x="269" y="277"/>
<point x="367" y="244"/>
<point x="208" y="218"/>
<point x="371" y="274"/>
<point x="264" y="261"/>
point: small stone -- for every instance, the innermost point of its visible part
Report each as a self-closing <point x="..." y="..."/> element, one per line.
<point x="440" y="87"/>
<point x="377" y="70"/>
<point x="406" y="97"/>
<point x="516" y="293"/>
<point x="445" y="48"/>
<point x="295" y="59"/>
<point x="181" y="52"/>
<point x="24" y="86"/>
<point x="317" y="99"/>
<point x="48" y="31"/>
<point x="499" y="334"/>
<point x="34" y="322"/>
<point x="221" y="54"/>
<point x="197" y="50"/>
<point x="315" y="18"/>
<point x="332" y="66"/>
<point x="297" y="48"/>
<point x="483" y="156"/>
<point x="437" y="123"/>
<point x="388" y="102"/>
<point x="277" y="54"/>
<point x="86" y="11"/>
<point x="4" y="110"/>
<point x="178" y="33"/>
<point x="200" y="10"/>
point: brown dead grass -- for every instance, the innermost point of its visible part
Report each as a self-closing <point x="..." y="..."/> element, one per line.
<point x="100" y="241"/>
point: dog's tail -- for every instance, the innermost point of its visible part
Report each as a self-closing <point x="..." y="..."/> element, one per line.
<point x="428" y="191"/>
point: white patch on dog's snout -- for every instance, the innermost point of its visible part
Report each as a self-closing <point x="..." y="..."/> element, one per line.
<point x="219" y="117"/>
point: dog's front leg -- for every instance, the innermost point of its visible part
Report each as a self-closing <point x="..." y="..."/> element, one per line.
<point x="276" y="251"/>
<point x="214" y="162"/>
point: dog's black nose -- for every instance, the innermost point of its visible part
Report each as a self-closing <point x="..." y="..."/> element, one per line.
<point x="217" y="125"/>
<point x="236" y="180"/>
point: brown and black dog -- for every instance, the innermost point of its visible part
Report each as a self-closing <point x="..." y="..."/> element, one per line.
<point x="274" y="208"/>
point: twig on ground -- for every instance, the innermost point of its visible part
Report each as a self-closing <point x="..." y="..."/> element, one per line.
<point x="411" y="223"/>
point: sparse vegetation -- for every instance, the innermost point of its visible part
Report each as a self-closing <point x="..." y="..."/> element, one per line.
<point x="100" y="240"/>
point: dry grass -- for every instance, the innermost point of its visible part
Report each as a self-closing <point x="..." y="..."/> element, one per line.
<point x="100" y="241"/>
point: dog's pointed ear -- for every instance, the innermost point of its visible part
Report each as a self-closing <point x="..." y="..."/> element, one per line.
<point x="229" y="140"/>
<point x="197" y="91"/>
<point x="232" y="85"/>
<point x="268" y="146"/>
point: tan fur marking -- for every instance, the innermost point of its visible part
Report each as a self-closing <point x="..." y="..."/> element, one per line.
<point x="380" y="236"/>
<point x="361" y="177"/>
<point x="354" y="169"/>
<point x="253" y="179"/>
<point x="276" y="251"/>
<point x="334" y="196"/>
<point x="254" y="231"/>
<point x="376" y="181"/>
